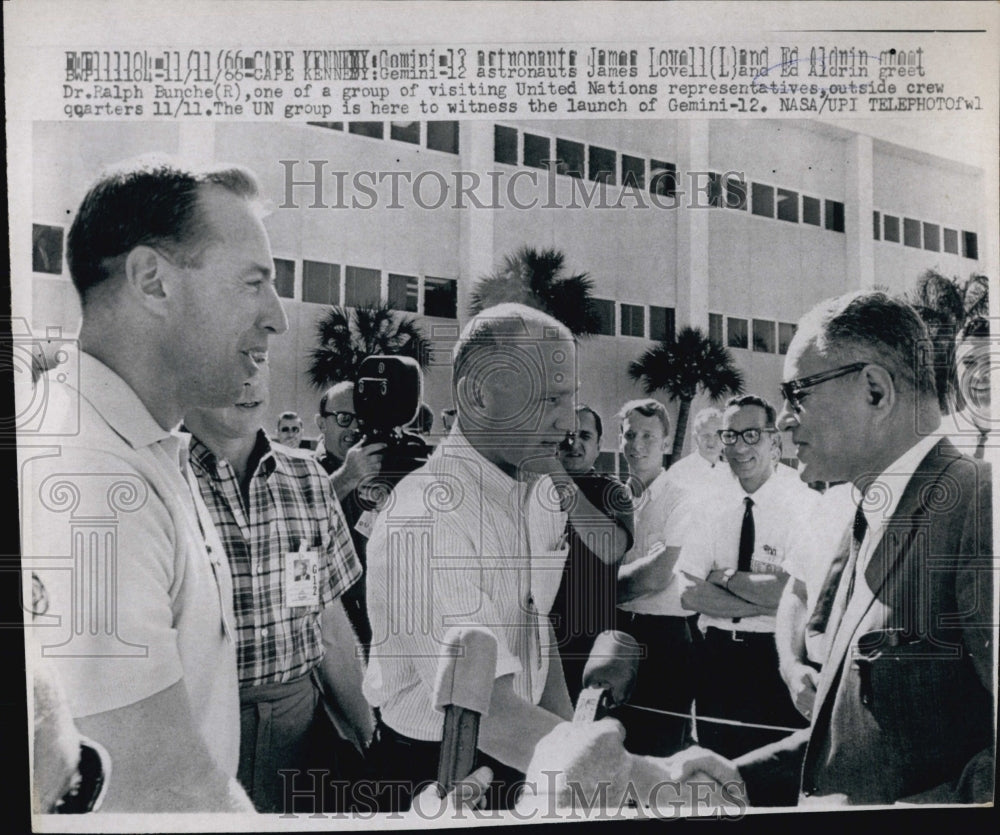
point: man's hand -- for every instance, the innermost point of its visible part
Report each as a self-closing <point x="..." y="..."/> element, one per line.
<point x="802" y="680"/>
<point x="362" y="461"/>
<point x="573" y="762"/>
<point x="469" y="793"/>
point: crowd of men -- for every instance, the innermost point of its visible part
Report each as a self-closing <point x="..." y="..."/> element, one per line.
<point x="263" y="629"/>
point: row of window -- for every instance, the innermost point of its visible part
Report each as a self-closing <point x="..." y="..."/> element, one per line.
<point x="436" y="136"/>
<point x="321" y="284"/>
<point x="733" y="332"/>
<point x="924" y="235"/>
<point x="632" y="320"/>
<point x="606" y="165"/>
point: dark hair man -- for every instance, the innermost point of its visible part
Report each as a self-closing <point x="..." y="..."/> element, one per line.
<point x="175" y="277"/>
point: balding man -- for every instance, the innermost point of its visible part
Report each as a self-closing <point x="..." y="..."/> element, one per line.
<point x="904" y="709"/>
<point x="175" y="277"/>
<point x="461" y="544"/>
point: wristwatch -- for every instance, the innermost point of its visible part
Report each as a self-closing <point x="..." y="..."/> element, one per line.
<point x="727" y="575"/>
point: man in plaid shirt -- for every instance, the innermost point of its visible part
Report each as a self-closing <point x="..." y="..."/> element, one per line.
<point x="291" y="558"/>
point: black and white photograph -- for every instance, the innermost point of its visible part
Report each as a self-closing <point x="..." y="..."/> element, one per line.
<point x="460" y="414"/>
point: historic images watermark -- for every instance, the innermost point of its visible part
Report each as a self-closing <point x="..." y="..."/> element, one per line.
<point x="310" y="184"/>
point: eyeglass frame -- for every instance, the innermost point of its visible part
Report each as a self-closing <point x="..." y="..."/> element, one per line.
<point x="742" y="434"/>
<point x="791" y="390"/>
<point x="336" y="416"/>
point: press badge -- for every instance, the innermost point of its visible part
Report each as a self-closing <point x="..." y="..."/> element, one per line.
<point x="365" y="523"/>
<point x="301" y="578"/>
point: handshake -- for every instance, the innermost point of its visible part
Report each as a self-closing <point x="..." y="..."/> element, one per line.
<point x="584" y="768"/>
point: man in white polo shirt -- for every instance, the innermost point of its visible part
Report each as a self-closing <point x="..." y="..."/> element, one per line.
<point x="175" y="277"/>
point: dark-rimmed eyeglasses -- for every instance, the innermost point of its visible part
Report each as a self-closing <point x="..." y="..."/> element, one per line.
<point x="793" y="388"/>
<point x="750" y="436"/>
<point x="344" y="419"/>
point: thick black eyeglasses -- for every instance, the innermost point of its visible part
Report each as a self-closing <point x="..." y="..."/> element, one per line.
<point x="793" y="388"/>
<point x="750" y="436"/>
<point x="344" y="419"/>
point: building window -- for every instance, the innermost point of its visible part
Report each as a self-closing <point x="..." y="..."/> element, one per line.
<point x="763" y="200"/>
<point x="320" y="282"/>
<point x="441" y="297"/>
<point x="811" y="211"/>
<point x="911" y="232"/>
<point x="633" y="172"/>
<point x="601" y="165"/>
<point x="788" y="205"/>
<point x="737" y="336"/>
<point x="633" y="323"/>
<point x="736" y="193"/>
<point x="327" y="125"/>
<point x="834" y="215"/>
<point x="786" y="330"/>
<point x="375" y="130"/>
<point x="504" y="145"/>
<point x="715" y="328"/>
<point x="890" y="228"/>
<point x="361" y="286"/>
<point x="951" y="241"/>
<point x="876" y="225"/>
<point x="536" y="151"/>
<point x="284" y="278"/>
<point x="403" y="292"/>
<point x="571" y="158"/>
<point x="662" y="178"/>
<point x="405" y="132"/>
<point x="970" y="245"/>
<point x="443" y="136"/>
<point x="46" y="249"/>
<point x="763" y="336"/>
<point x="932" y="237"/>
<point x="662" y="323"/>
<point x="605" y="310"/>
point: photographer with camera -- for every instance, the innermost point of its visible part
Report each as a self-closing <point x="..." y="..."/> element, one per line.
<point x="366" y="452"/>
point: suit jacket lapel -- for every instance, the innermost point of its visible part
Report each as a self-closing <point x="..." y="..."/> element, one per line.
<point x="897" y="536"/>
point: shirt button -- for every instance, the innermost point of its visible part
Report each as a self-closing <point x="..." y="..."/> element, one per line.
<point x="263" y="632"/>
<point x="866" y="699"/>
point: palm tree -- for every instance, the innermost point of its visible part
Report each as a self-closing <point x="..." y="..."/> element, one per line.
<point x="345" y="339"/>
<point x="685" y="366"/>
<point x="534" y="278"/>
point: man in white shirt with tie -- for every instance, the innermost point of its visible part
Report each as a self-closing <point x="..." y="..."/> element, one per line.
<point x="734" y="567"/>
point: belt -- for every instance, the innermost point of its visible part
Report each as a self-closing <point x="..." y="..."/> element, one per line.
<point x="737" y="637"/>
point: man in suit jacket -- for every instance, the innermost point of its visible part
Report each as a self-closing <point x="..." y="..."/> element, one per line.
<point x="904" y="710"/>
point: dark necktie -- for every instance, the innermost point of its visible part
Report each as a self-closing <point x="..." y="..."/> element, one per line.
<point x="980" y="452"/>
<point x="746" y="540"/>
<point x="746" y="537"/>
<point x="859" y="530"/>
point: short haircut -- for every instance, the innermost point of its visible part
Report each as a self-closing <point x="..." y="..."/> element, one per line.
<point x="647" y="407"/>
<point x="771" y="414"/>
<point x="504" y="325"/>
<point x="145" y="202"/>
<point x="978" y="326"/>
<point x="288" y="416"/>
<point x="333" y="391"/>
<point x="872" y="327"/>
<point x="423" y="420"/>
<point x="598" y="424"/>
<point x="703" y="417"/>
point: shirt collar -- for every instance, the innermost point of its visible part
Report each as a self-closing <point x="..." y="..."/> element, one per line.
<point x="456" y="445"/>
<point x="118" y="404"/>
<point x="262" y="457"/>
<point x="881" y="505"/>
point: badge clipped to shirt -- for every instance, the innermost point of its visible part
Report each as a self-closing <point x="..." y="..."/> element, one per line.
<point x="301" y="578"/>
<point x="365" y="523"/>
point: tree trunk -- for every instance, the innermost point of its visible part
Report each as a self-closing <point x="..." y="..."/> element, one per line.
<point x="681" y="432"/>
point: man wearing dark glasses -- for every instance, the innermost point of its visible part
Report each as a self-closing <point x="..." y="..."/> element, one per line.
<point x="735" y="564"/>
<point x="904" y="709"/>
